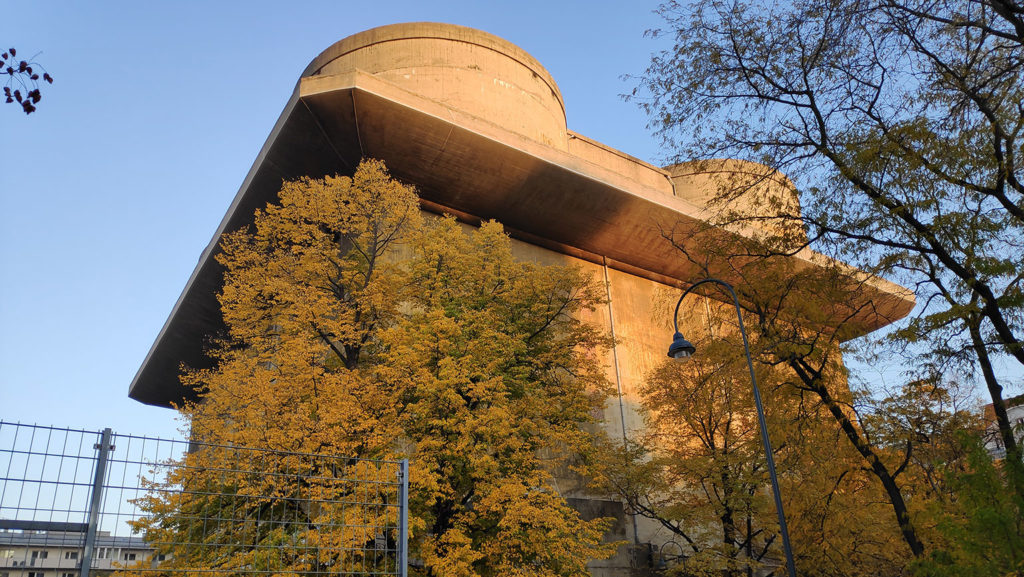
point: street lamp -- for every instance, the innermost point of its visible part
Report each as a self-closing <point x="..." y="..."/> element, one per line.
<point x="682" y="349"/>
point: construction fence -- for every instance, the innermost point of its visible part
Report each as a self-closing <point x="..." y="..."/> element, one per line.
<point x="77" y="503"/>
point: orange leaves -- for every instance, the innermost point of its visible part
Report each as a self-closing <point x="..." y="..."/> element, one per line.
<point x="354" y="328"/>
<point x="538" y="533"/>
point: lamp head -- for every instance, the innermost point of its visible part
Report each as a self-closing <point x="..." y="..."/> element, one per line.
<point x="681" y="349"/>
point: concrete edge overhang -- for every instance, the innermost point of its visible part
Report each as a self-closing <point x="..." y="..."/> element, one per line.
<point x="466" y="166"/>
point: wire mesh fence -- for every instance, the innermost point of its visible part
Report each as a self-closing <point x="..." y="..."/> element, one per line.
<point x="80" y="503"/>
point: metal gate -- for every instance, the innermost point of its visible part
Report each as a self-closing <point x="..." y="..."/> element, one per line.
<point x="77" y="503"/>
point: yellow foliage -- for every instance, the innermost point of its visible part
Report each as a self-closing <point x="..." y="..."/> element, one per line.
<point x="699" y="469"/>
<point x="354" y="328"/>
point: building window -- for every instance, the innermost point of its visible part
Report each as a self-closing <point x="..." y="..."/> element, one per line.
<point x="40" y="555"/>
<point x="68" y="575"/>
<point x="103" y="553"/>
<point x="129" y="556"/>
<point x="71" y="554"/>
<point x="35" y="574"/>
<point x="160" y="557"/>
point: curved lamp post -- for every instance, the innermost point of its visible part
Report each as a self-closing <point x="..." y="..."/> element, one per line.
<point x="682" y="349"/>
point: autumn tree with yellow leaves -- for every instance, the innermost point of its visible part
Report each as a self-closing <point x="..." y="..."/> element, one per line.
<point x="900" y="122"/>
<point x="867" y="477"/>
<point x="698" y="469"/>
<point x="357" y="327"/>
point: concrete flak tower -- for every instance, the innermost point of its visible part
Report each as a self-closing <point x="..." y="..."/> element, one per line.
<point x="479" y="127"/>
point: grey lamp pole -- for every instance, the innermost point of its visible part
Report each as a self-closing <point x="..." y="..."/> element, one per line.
<point x="681" y="350"/>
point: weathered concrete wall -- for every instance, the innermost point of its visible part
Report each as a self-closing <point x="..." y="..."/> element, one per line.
<point x="637" y="312"/>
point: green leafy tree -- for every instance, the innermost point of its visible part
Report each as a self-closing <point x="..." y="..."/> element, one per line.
<point x="983" y="526"/>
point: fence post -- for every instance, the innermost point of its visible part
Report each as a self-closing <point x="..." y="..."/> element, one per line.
<point x="403" y="519"/>
<point x="96" y="500"/>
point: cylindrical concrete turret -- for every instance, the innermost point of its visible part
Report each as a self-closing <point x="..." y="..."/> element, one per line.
<point x="463" y="68"/>
<point x="757" y="192"/>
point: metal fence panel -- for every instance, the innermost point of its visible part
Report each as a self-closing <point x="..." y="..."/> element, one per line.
<point x="167" y="506"/>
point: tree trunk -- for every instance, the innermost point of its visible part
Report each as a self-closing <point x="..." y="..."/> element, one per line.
<point x="877" y="467"/>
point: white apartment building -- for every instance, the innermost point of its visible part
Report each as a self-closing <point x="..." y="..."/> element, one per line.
<point x="993" y="442"/>
<point x="59" y="554"/>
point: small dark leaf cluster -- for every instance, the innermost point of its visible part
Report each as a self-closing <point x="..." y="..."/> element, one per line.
<point x="22" y="81"/>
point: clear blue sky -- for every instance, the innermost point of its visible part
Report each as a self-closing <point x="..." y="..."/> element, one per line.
<point x="112" y="189"/>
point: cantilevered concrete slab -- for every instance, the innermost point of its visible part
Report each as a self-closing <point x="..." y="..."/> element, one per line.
<point x="478" y="126"/>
